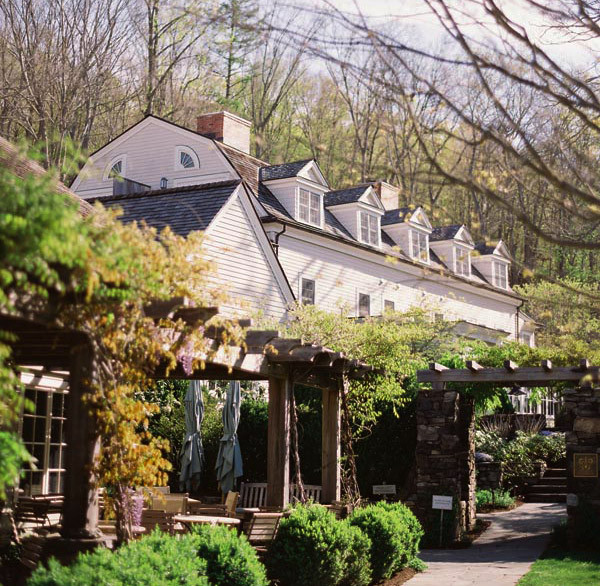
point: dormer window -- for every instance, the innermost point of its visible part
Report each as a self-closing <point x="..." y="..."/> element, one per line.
<point x="369" y="228"/>
<point x="309" y="207"/>
<point x="419" y="246"/>
<point x="500" y="274"/>
<point x="185" y="159"/>
<point x="462" y="261"/>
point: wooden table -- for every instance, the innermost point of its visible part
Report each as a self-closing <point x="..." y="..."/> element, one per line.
<point x="190" y="520"/>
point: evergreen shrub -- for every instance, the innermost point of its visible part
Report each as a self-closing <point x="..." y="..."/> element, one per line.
<point x="312" y="547"/>
<point x="157" y="559"/>
<point x="230" y="559"/>
<point x="395" y="534"/>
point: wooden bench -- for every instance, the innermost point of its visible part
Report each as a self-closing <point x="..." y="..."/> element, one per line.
<point x="152" y="518"/>
<point x="254" y="494"/>
<point x="32" y="510"/>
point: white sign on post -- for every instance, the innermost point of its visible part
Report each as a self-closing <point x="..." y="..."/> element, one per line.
<point x="443" y="503"/>
<point x="384" y="489"/>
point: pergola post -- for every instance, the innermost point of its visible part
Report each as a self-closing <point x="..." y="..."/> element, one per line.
<point x="80" y="514"/>
<point x="331" y="446"/>
<point x="278" y="442"/>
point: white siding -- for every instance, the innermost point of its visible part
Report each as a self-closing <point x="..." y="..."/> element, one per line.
<point x="242" y="267"/>
<point x="150" y="148"/>
<point x="348" y="217"/>
<point x="340" y="274"/>
<point x="285" y="192"/>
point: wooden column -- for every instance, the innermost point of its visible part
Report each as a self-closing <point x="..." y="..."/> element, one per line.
<point x="278" y="442"/>
<point x="331" y="446"/>
<point x="80" y="514"/>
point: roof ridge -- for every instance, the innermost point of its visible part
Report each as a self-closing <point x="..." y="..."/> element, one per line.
<point x="181" y="189"/>
<point x="291" y="162"/>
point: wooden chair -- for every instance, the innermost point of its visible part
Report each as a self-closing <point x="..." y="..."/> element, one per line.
<point x="152" y="518"/>
<point x="31" y="510"/>
<point x="253" y="494"/>
<point x="210" y="509"/>
<point x="31" y="553"/>
<point x="171" y="503"/>
<point x="231" y="501"/>
<point x="261" y="530"/>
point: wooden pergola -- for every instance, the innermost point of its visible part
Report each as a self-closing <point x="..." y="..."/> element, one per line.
<point x="265" y="355"/>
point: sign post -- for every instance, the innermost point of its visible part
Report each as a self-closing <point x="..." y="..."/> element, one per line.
<point x="443" y="503"/>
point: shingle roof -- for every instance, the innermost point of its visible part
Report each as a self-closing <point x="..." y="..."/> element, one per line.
<point x="22" y="166"/>
<point x="283" y="171"/>
<point x="184" y="209"/>
<point x="396" y="216"/>
<point x="342" y="196"/>
<point x="444" y="232"/>
<point x="483" y="248"/>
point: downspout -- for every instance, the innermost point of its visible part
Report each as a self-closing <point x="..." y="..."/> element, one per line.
<point x="275" y="243"/>
<point x="517" y="320"/>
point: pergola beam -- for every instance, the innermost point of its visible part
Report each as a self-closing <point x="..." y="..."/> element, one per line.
<point x="543" y="375"/>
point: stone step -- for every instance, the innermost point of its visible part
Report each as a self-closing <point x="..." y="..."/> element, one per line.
<point x="548" y="489"/>
<point x="555" y="473"/>
<point x="552" y="481"/>
<point x="544" y="497"/>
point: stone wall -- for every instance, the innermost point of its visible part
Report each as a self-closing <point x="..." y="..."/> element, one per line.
<point x="582" y="409"/>
<point x="445" y="458"/>
<point x="489" y="475"/>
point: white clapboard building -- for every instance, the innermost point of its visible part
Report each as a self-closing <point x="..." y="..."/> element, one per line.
<point x="281" y="234"/>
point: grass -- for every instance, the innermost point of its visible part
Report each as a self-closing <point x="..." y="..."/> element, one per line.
<point x="558" y="567"/>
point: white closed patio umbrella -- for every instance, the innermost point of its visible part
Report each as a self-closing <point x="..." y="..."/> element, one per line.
<point x="229" y="458"/>
<point x="192" y="453"/>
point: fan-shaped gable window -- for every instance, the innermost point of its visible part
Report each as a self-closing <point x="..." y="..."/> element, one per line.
<point x="185" y="158"/>
<point x="116" y="168"/>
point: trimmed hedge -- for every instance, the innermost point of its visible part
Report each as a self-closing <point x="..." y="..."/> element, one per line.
<point x="394" y="533"/>
<point x="206" y="557"/>
<point x="230" y="559"/>
<point x="153" y="560"/>
<point x="312" y="547"/>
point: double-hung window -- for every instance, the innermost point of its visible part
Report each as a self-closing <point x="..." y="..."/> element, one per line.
<point x="500" y="274"/>
<point x="419" y="246"/>
<point x="309" y="207"/>
<point x="462" y="262"/>
<point x="388" y="305"/>
<point x="364" y="305"/>
<point x="369" y="228"/>
<point x="307" y="292"/>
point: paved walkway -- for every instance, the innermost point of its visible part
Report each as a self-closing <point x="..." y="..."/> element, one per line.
<point x="500" y="556"/>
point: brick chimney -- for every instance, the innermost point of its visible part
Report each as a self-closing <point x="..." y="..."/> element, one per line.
<point x="226" y="127"/>
<point x="388" y="194"/>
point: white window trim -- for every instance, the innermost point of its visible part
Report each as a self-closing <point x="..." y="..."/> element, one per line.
<point x="177" y="160"/>
<point x="304" y="278"/>
<point x="114" y="161"/>
<point x="460" y="250"/>
<point x="498" y="263"/>
<point x="375" y="217"/>
<point x="414" y="256"/>
<point x="321" y="210"/>
<point x="358" y="294"/>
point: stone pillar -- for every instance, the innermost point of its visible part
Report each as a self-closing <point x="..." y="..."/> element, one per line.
<point x="445" y="457"/>
<point x="331" y="446"/>
<point x="278" y="442"/>
<point x="582" y="408"/>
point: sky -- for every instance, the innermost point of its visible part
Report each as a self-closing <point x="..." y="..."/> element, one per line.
<point x="417" y="15"/>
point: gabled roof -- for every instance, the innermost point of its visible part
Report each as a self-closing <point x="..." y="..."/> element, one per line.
<point x="22" y="166"/>
<point x="361" y="193"/>
<point x="499" y="249"/>
<point x="444" y="232"/>
<point x="184" y="209"/>
<point x="283" y="171"/>
<point x="396" y="216"/>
